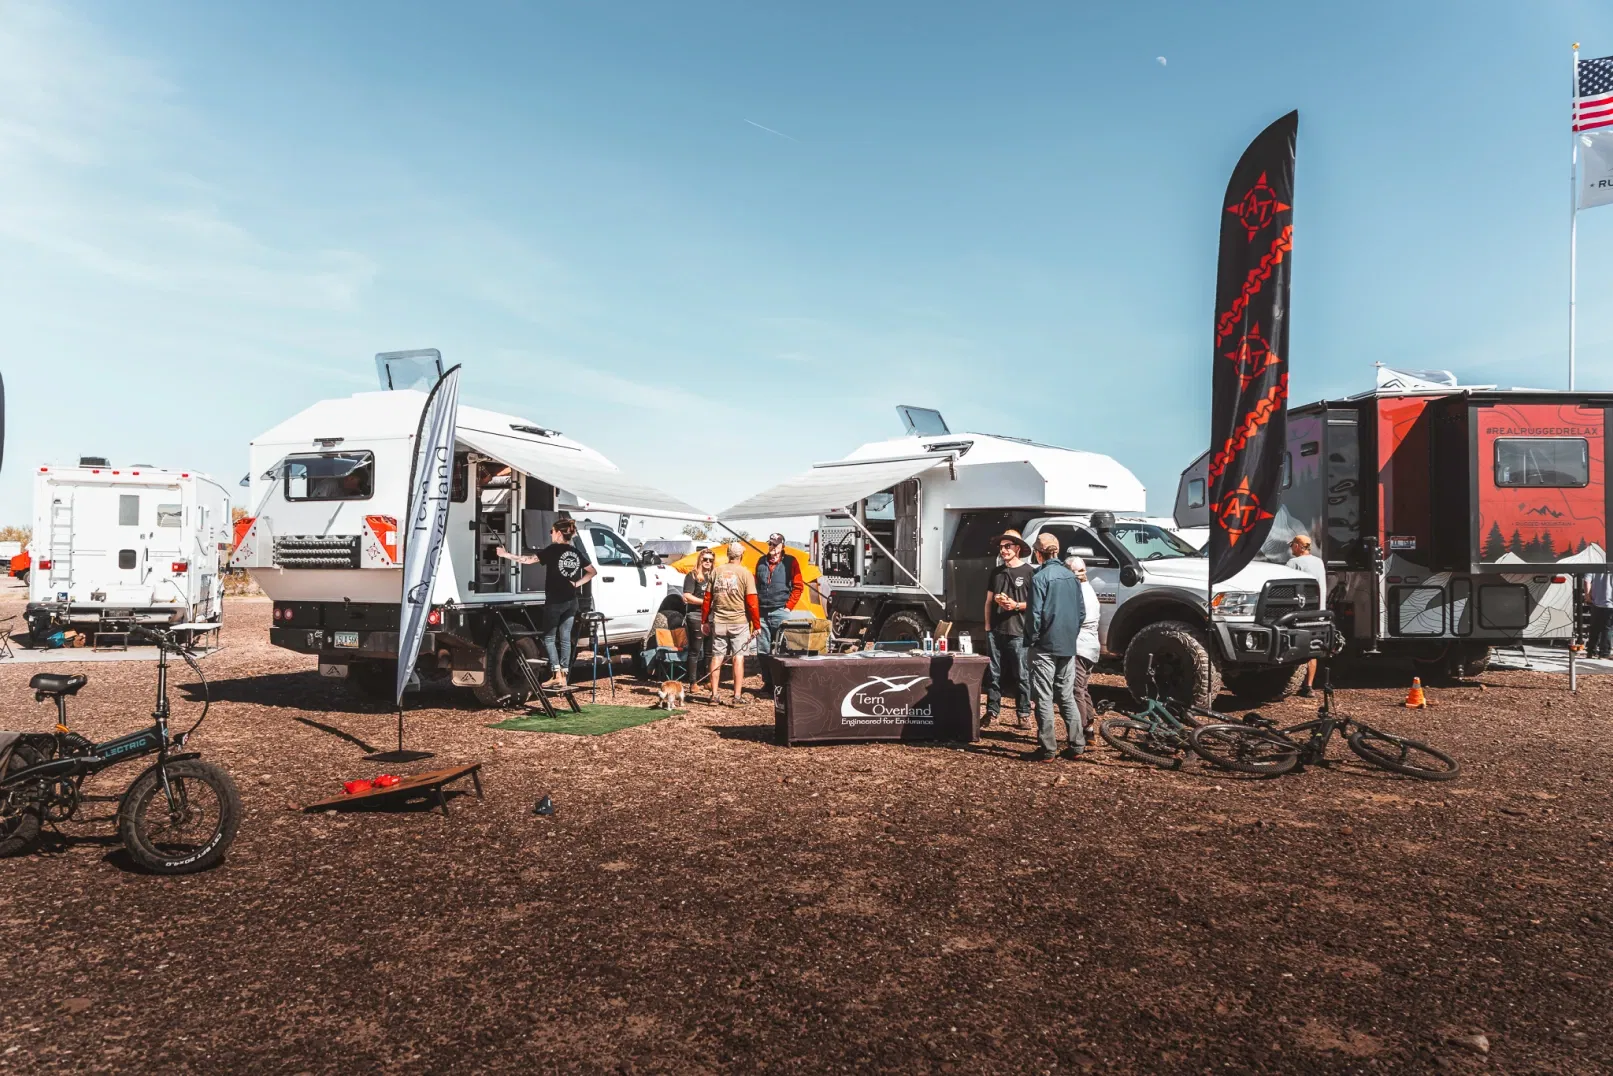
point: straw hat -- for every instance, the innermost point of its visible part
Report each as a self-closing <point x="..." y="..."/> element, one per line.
<point x="1017" y="539"/>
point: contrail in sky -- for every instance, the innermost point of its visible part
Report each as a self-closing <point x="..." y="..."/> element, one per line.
<point x="770" y="130"/>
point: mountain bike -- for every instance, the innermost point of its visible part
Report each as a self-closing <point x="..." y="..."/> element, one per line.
<point x="1156" y="733"/>
<point x="1258" y="746"/>
<point x="178" y="816"/>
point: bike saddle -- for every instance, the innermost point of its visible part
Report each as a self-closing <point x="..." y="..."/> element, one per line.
<point x="57" y="684"/>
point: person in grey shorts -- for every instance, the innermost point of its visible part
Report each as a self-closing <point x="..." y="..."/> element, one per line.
<point x="1053" y="630"/>
<point x="730" y="614"/>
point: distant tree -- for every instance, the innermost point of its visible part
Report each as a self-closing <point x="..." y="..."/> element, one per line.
<point x="15" y="533"/>
<point x="237" y="513"/>
<point x="700" y="532"/>
<point x="1495" y="544"/>
<point x="1515" y="547"/>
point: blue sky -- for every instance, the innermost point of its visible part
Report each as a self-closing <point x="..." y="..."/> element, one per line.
<point x="215" y="214"/>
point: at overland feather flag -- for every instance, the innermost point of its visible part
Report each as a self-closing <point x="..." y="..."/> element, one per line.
<point x="1248" y="410"/>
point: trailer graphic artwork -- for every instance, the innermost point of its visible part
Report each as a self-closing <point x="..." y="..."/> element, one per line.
<point x="1542" y="494"/>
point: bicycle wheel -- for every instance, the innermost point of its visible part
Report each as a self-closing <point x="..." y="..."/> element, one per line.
<point x="1143" y="742"/>
<point x="1243" y="749"/>
<point x="21" y="817"/>
<point x="194" y="832"/>
<point x="1399" y="755"/>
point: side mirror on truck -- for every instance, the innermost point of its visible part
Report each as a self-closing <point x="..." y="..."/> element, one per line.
<point x="1130" y="575"/>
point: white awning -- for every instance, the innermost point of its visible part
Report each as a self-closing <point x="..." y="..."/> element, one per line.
<point x="829" y="487"/>
<point x="595" y="483"/>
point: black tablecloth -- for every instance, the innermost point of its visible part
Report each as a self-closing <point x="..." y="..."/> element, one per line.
<point x="849" y="698"/>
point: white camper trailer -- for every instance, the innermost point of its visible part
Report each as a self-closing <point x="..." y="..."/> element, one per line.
<point x="907" y="538"/>
<point x="125" y="544"/>
<point x="328" y="486"/>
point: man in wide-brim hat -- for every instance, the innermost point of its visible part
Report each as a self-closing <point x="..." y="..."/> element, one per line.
<point x="1007" y="596"/>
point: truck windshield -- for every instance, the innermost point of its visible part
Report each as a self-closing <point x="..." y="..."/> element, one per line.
<point x="1149" y="542"/>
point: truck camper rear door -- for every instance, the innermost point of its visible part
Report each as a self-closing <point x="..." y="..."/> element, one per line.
<point x="1540" y="472"/>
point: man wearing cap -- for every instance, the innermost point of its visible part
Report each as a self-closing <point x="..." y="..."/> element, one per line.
<point x="1053" y="629"/>
<point x="1303" y="560"/>
<point x="1007" y="595"/>
<point x="778" y="590"/>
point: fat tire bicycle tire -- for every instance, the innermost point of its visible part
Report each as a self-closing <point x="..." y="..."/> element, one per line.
<point x="1244" y="749"/>
<point x="145" y="805"/>
<point x="1363" y="740"/>
<point x="21" y="822"/>
<point x="1137" y="740"/>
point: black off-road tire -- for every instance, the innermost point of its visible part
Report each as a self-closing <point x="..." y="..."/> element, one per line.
<point x="1184" y="667"/>
<point x="144" y="811"/>
<point x="1142" y="742"/>
<point x="502" y="683"/>
<point x="20" y="822"/>
<point x="377" y="680"/>
<point x="904" y="624"/>
<point x="1258" y="686"/>
<point x="1400" y="755"/>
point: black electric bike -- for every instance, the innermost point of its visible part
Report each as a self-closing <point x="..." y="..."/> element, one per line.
<point x="178" y="817"/>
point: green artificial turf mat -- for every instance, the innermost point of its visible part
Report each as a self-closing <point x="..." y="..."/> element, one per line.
<point x="596" y="719"/>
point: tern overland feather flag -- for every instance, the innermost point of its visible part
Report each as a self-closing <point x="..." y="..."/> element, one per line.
<point x="1249" y="386"/>
<point x="426" y="527"/>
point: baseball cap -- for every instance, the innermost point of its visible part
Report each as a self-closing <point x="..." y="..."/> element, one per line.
<point x="775" y="539"/>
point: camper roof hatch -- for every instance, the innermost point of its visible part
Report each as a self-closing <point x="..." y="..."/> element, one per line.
<point x="922" y="421"/>
<point x="419" y="369"/>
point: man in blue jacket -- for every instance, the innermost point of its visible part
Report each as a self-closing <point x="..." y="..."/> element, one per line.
<point x="1053" y="633"/>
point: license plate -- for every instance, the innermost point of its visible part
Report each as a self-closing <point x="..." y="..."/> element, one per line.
<point x="348" y="639"/>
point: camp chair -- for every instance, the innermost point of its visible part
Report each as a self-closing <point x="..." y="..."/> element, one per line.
<point x="5" y="637"/>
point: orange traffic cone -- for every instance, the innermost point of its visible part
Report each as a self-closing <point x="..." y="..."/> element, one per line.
<point x="1415" y="699"/>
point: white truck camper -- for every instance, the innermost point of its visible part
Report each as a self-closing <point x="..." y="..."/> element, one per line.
<point x="126" y="544"/>
<point x="906" y="538"/>
<point x="328" y="486"/>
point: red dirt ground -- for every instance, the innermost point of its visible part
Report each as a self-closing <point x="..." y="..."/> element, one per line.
<point x="706" y="901"/>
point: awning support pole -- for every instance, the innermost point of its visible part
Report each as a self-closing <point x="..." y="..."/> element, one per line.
<point x="855" y="522"/>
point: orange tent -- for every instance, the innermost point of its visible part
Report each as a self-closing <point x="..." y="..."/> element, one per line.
<point x="812" y="599"/>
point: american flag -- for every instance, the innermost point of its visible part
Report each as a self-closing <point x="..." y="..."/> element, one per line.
<point x="1593" y="107"/>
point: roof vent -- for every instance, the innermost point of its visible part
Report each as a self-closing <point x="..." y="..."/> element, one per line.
<point x="535" y="430"/>
<point x="93" y="461"/>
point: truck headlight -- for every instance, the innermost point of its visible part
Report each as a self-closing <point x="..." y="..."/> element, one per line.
<point x="1234" y="603"/>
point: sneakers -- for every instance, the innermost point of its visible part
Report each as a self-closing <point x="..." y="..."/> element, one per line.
<point x="988" y="719"/>
<point x="1072" y="754"/>
<point x="1041" y="754"/>
<point x="1304" y="692"/>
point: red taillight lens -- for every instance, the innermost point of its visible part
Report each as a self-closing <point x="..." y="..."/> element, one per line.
<point x="180" y="567"/>
<point x="281" y="614"/>
<point x="45" y="564"/>
<point x="434" y="618"/>
<point x="1559" y="579"/>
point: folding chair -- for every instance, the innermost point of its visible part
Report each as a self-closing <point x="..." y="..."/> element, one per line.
<point x="5" y="637"/>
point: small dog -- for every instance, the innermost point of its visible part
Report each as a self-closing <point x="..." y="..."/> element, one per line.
<point x="670" y="695"/>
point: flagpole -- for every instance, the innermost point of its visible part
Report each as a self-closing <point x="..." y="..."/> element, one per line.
<point x="1573" y="219"/>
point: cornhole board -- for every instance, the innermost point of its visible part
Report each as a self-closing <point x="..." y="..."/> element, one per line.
<point x="431" y="783"/>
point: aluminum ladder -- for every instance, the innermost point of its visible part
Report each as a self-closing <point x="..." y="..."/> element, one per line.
<point x="61" y="543"/>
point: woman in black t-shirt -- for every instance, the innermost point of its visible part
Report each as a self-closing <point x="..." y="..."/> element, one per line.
<point x="565" y="572"/>
<point x="694" y="597"/>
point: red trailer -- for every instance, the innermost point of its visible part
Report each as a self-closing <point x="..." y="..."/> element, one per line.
<point x="1450" y="520"/>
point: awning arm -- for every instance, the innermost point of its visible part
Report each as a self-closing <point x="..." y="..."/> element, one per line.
<point x="748" y="541"/>
<point x="851" y="512"/>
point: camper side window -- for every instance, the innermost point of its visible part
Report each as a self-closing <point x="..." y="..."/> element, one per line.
<point x="129" y="510"/>
<point x="330" y="476"/>
<point x="1542" y="461"/>
<point x="169" y="515"/>
<point x="1195" y="493"/>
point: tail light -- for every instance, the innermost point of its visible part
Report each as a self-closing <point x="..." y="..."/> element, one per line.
<point x="45" y="564"/>
<point x="1559" y="579"/>
<point x="179" y="567"/>
<point x="434" y="618"/>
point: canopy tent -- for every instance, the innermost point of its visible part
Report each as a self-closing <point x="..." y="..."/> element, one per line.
<point x="596" y="483"/>
<point x="832" y="486"/>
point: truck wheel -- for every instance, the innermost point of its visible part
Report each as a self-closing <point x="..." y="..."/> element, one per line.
<point x="1266" y="685"/>
<point x="670" y="619"/>
<point x="904" y="625"/>
<point x="503" y="683"/>
<point x="1183" y="668"/>
<point x="376" y="680"/>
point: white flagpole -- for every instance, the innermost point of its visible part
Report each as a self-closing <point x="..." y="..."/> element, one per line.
<point x="1573" y="220"/>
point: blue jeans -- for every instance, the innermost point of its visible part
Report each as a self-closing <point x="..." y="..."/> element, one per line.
<point x="558" y="622"/>
<point x="766" y="636"/>
<point x="1007" y="656"/>
<point x="1054" y="676"/>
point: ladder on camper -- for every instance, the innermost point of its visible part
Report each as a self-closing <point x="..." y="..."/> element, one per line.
<point x="535" y="688"/>
<point x="61" y="542"/>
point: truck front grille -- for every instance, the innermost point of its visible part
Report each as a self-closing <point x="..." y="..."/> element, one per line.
<point x="316" y="551"/>
<point x="1278" y="599"/>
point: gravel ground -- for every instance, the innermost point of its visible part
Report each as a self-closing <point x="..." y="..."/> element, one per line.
<point x="706" y="901"/>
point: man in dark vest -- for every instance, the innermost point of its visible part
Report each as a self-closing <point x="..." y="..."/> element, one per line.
<point x="779" y="583"/>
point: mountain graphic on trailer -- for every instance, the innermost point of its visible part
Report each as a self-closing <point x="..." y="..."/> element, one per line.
<point x="1544" y="510"/>
<point x="1539" y="548"/>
